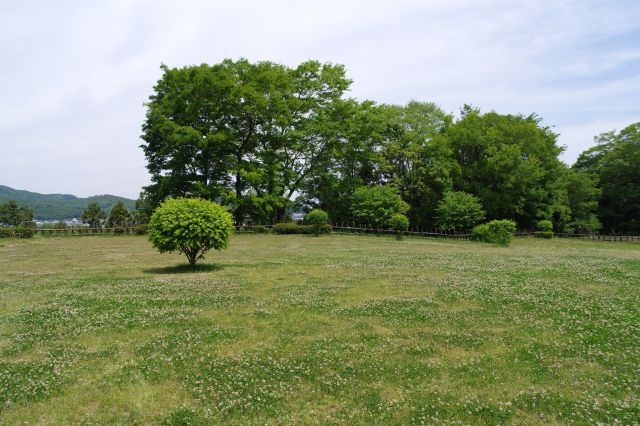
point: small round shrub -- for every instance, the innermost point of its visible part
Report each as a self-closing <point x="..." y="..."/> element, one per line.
<point x="191" y="226"/>
<point x="400" y="224"/>
<point x="260" y="229"/>
<point x="543" y="234"/>
<point x="501" y="231"/>
<point x="287" y="228"/>
<point x="497" y="232"/>
<point x="317" y="219"/>
<point x="544" y="225"/>
<point x="480" y="233"/>
<point x="459" y="211"/>
<point x="311" y="229"/>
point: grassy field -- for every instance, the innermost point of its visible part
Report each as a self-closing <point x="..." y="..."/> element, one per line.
<point x="330" y="330"/>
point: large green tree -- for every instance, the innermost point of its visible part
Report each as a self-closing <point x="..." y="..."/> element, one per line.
<point x="459" y="211"/>
<point x="417" y="159"/>
<point x="510" y="162"/>
<point x="94" y="214"/>
<point x="376" y="205"/>
<point x="245" y="134"/>
<point x="614" y="162"/>
<point x="359" y="132"/>
<point x="119" y="216"/>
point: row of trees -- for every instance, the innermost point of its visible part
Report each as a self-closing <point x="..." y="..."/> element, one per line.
<point x="264" y="139"/>
<point x="12" y="214"/>
<point x="119" y="216"/>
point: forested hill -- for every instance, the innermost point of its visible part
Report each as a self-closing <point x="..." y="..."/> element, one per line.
<point x="59" y="206"/>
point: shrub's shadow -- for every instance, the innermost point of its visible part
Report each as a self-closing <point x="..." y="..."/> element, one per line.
<point x="184" y="269"/>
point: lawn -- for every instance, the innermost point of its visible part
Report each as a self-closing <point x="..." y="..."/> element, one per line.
<point x="336" y="329"/>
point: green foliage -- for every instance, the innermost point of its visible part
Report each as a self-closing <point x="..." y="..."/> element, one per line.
<point x="288" y="228"/>
<point x="192" y="226"/>
<point x="459" y="211"/>
<point x="94" y="214"/>
<point x="497" y="232"/>
<point x="543" y="234"/>
<point x="142" y="229"/>
<point x="13" y="214"/>
<point x="317" y="219"/>
<point x="17" y="232"/>
<point x="376" y="205"/>
<point x="58" y="206"/>
<point x="480" y="233"/>
<point x="265" y="125"/>
<point x="614" y="163"/>
<point x="399" y="223"/>
<point x="582" y="194"/>
<point x="316" y="230"/>
<point x="510" y="162"/>
<point x="416" y="157"/>
<point x="119" y="216"/>
<point x="544" y="225"/>
<point x="260" y="229"/>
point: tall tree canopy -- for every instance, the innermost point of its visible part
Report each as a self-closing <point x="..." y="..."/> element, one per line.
<point x="509" y="162"/>
<point x="256" y="136"/>
<point x="13" y="214"/>
<point x="244" y="134"/>
<point x="615" y="164"/>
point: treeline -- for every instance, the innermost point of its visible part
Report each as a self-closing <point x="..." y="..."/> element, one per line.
<point x="266" y="139"/>
<point x="58" y="206"/>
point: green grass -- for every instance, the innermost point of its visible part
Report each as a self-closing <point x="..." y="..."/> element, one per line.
<point x="330" y="330"/>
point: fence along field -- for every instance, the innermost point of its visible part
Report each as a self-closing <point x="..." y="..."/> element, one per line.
<point x="359" y="230"/>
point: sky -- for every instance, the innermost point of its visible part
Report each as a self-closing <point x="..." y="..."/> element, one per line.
<point x="74" y="75"/>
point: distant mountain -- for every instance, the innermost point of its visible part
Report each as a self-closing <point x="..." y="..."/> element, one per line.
<point x="59" y="206"/>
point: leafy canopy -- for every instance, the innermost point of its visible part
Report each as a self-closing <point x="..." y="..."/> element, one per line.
<point x="376" y="205"/>
<point x="247" y="134"/>
<point x="615" y="163"/>
<point x="119" y="216"/>
<point x="316" y="218"/>
<point x="499" y="232"/>
<point x="191" y="226"/>
<point x="399" y="223"/>
<point x="14" y="215"/>
<point x="93" y="214"/>
<point x="459" y="211"/>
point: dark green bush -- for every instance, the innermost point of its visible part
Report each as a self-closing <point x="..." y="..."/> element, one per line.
<point x="400" y="224"/>
<point x="480" y="233"/>
<point x="543" y="234"/>
<point x="311" y="229"/>
<point x="24" y="232"/>
<point x="544" y="225"/>
<point x="260" y="229"/>
<point x="6" y="232"/>
<point x="317" y="219"/>
<point x="497" y="232"/>
<point x="287" y="228"/>
<point x="142" y="229"/>
<point x="118" y="230"/>
<point x="17" y="232"/>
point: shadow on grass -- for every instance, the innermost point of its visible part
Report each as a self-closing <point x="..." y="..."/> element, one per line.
<point x="184" y="269"/>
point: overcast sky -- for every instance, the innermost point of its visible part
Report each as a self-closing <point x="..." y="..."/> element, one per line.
<point x="74" y="74"/>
